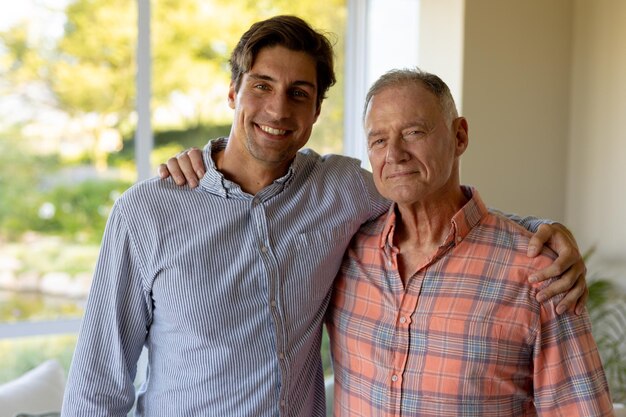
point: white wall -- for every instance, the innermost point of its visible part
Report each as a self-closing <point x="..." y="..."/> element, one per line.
<point x="543" y="84"/>
<point x="441" y="42"/>
<point x="516" y="82"/>
<point x="596" y="181"/>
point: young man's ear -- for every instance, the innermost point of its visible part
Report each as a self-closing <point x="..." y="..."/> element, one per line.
<point x="232" y="95"/>
<point x="317" y="112"/>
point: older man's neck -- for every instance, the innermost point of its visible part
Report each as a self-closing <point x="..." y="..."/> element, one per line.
<point x="421" y="229"/>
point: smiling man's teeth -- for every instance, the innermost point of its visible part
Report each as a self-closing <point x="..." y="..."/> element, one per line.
<point x="273" y="131"/>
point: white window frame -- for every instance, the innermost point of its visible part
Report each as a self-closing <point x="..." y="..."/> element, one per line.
<point x="365" y="61"/>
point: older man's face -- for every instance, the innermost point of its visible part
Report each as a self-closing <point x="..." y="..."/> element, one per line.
<point x="413" y="148"/>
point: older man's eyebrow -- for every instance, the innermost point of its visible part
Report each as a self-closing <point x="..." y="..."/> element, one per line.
<point x="373" y="133"/>
<point x="408" y="125"/>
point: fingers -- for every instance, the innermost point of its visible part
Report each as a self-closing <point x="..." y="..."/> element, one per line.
<point x="564" y="244"/>
<point x="184" y="163"/>
<point x="573" y="281"/>
<point x="197" y="163"/>
<point x="564" y="283"/>
<point x="569" y="265"/>
<point x="569" y="302"/>
<point x="582" y="301"/>
<point x="567" y="259"/>
<point x="163" y="171"/>
<point x="539" y="239"/>
<point x="174" y="169"/>
<point x="185" y="167"/>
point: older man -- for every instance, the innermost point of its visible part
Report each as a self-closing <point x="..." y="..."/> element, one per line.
<point x="433" y="313"/>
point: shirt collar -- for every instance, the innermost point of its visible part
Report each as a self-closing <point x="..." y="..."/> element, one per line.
<point x="468" y="217"/>
<point x="215" y="182"/>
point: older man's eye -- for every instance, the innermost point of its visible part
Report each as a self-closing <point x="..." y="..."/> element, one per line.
<point x="376" y="143"/>
<point x="413" y="134"/>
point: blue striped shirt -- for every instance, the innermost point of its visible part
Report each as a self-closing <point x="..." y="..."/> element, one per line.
<point x="226" y="290"/>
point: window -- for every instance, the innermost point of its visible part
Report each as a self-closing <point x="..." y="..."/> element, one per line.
<point x="66" y="81"/>
<point x="68" y="124"/>
<point x="382" y="35"/>
<point x="77" y="128"/>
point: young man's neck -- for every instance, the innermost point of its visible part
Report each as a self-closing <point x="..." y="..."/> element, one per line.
<point x="251" y="177"/>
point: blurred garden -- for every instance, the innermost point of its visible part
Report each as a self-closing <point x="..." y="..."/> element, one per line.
<point x="67" y="125"/>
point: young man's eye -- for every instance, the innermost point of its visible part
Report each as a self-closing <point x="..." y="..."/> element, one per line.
<point x="299" y="93"/>
<point x="261" y="87"/>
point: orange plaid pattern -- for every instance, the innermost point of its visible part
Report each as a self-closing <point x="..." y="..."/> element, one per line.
<point x="466" y="337"/>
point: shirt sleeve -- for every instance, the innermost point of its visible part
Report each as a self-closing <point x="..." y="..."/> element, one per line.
<point x="113" y="330"/>
<point x="529" y="223"/>
<point x="378" y="204"/>
<point x="568" y="375"/>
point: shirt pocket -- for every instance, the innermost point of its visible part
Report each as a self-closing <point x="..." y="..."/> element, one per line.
<point x="320" y="253"/>
<point x="461" y="360"/>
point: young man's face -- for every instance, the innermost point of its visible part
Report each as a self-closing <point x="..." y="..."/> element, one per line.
<point x="275" y="107"/>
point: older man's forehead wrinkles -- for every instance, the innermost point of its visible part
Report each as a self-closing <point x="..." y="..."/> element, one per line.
<point x="400" y="127"/>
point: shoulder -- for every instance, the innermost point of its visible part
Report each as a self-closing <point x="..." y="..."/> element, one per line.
<point x="342" y="172"/>
<point x="153" y="197"/>
<point x="330" y="162"/>
<point x="508" y="233"/>
<point x="145" y="190"/>
<point x="510" y="238"/>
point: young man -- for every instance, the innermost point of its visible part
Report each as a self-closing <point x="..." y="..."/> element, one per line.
<point x="227" y="283"/>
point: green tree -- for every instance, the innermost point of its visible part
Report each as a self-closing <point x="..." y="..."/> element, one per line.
<point x="89" y="71"/>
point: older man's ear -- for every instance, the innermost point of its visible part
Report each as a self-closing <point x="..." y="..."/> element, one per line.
<point x="461" y="127"/>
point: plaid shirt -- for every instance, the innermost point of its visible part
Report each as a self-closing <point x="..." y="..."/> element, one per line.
<point x="466" y="337"/>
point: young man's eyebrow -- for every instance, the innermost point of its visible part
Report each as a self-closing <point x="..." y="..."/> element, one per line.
<point x="263" y="77"/>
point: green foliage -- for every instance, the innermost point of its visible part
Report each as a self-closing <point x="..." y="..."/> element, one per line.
<point x="23" y="306"/>
<point x="607" y="311"/>
<point x="168" y="142"/>
<point x="75" y="211"/>
<point x="89" y="71"/>
<point x="326" y="356"/>
<point x="21" y="355"/>
<point x="93" y="68"/>
<point x="20" y="171"/>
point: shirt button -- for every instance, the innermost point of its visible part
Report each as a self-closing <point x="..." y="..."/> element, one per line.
<point x="273" y="303"/>
<point x="264" y="249"/>
<point x="402" y="319"/>
<point x="459" y="239"/>
<point x="281" y="355"/>
<point x="394" y="378"/>
<point x="282" y="403"/>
